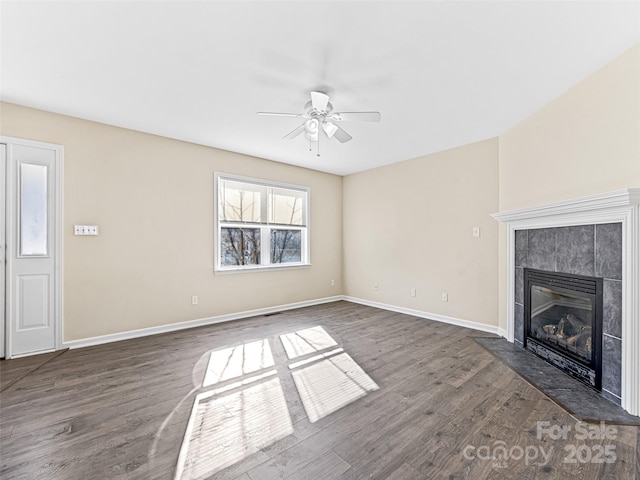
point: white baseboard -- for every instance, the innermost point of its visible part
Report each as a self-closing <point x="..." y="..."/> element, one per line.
<point x="502" y="332"/>
<point x="429" y="316"/>
<point x="173" y="327"/>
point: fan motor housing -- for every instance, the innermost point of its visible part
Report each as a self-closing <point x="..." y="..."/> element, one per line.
<point x="312" y="111"/>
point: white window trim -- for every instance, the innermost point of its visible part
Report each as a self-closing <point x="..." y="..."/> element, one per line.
<point x="305" y="241"/>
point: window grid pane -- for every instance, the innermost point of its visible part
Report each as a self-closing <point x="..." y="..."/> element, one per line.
<point x="241" y="202"/>
<point x="286" y="246"/>
<point x="287" y="207"/>
<point x="240" y="246"/>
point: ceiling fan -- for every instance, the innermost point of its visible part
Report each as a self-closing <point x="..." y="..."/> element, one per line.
<point x="319" y="115"/>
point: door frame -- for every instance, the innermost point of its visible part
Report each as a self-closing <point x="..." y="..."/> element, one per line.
<point x="57" y="224"/>
<point x="3" y="249"/>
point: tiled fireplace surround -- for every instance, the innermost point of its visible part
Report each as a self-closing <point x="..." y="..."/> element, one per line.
<point x="594" y="236"/>
<point x="591" y="250"/>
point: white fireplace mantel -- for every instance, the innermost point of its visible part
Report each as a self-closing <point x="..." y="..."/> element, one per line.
<point x="621" y="206"/>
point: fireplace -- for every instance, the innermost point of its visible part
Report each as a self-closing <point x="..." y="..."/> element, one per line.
<point x="563" y="322"/>
<point x="595" y="236"/>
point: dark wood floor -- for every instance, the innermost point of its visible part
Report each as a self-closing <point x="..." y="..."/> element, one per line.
<point x="442" y="409"/>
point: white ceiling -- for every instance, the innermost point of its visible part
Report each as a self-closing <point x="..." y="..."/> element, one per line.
<point x="442" y="74"/>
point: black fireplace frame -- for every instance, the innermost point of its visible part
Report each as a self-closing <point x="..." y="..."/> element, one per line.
<point x="591" y="287"/>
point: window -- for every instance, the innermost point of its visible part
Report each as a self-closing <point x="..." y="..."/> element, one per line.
<point x="260" y="224"/>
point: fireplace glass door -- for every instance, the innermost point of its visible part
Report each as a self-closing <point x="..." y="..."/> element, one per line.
<point x="563" y="322"/>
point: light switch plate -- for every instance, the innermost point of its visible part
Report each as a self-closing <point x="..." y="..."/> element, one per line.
<point x="85" y="230"/>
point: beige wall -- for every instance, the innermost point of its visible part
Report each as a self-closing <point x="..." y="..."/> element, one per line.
<point x="409" y="225"/>
<point x="585" y="142"/>
<point x="152" y="198"/>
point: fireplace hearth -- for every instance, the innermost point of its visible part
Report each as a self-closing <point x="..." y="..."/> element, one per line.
<point x="563" y="322"/>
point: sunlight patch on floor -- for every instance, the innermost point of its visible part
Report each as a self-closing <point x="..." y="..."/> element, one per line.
<point x="331" y="384"/>
<point x="223" y="430"/>
<point x="244" y="409"/>
<point x="236" y="361"/>
<point x="315" y="358"/>
<point x="304" y="342"/>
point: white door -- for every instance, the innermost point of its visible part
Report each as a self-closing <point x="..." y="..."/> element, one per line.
<point x="3" y="242"/>
<point x="31" y="280"/>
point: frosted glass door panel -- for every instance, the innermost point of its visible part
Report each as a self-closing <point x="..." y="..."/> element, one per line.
<point x="33" y="209"/>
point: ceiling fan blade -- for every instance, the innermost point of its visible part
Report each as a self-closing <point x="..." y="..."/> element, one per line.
<point x="294" y="133"/>
<point x="277" y="114"/>
<point x="319" y="101"/>
<point x="356" y="116"/>
<point x="341" y="135"/>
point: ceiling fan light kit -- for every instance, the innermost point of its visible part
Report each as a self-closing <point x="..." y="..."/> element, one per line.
<point x="329" y="128"/>
<point x="318" y="115"/>
<point x="311" y="129"/>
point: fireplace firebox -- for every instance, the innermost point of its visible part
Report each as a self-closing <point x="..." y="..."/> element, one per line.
<point x="563" y="322"/>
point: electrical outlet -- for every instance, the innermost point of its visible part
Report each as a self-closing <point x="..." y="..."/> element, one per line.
<point x="376" y="286"/>
<point x="476" y="232"/>
<point x="333" y="282"/>
<point x="445" y="297"/>
<point x="194" y="300"/>
<point x="412" y="292"/>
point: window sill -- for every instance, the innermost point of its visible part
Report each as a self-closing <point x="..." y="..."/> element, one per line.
<point x="272" y="268"/>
